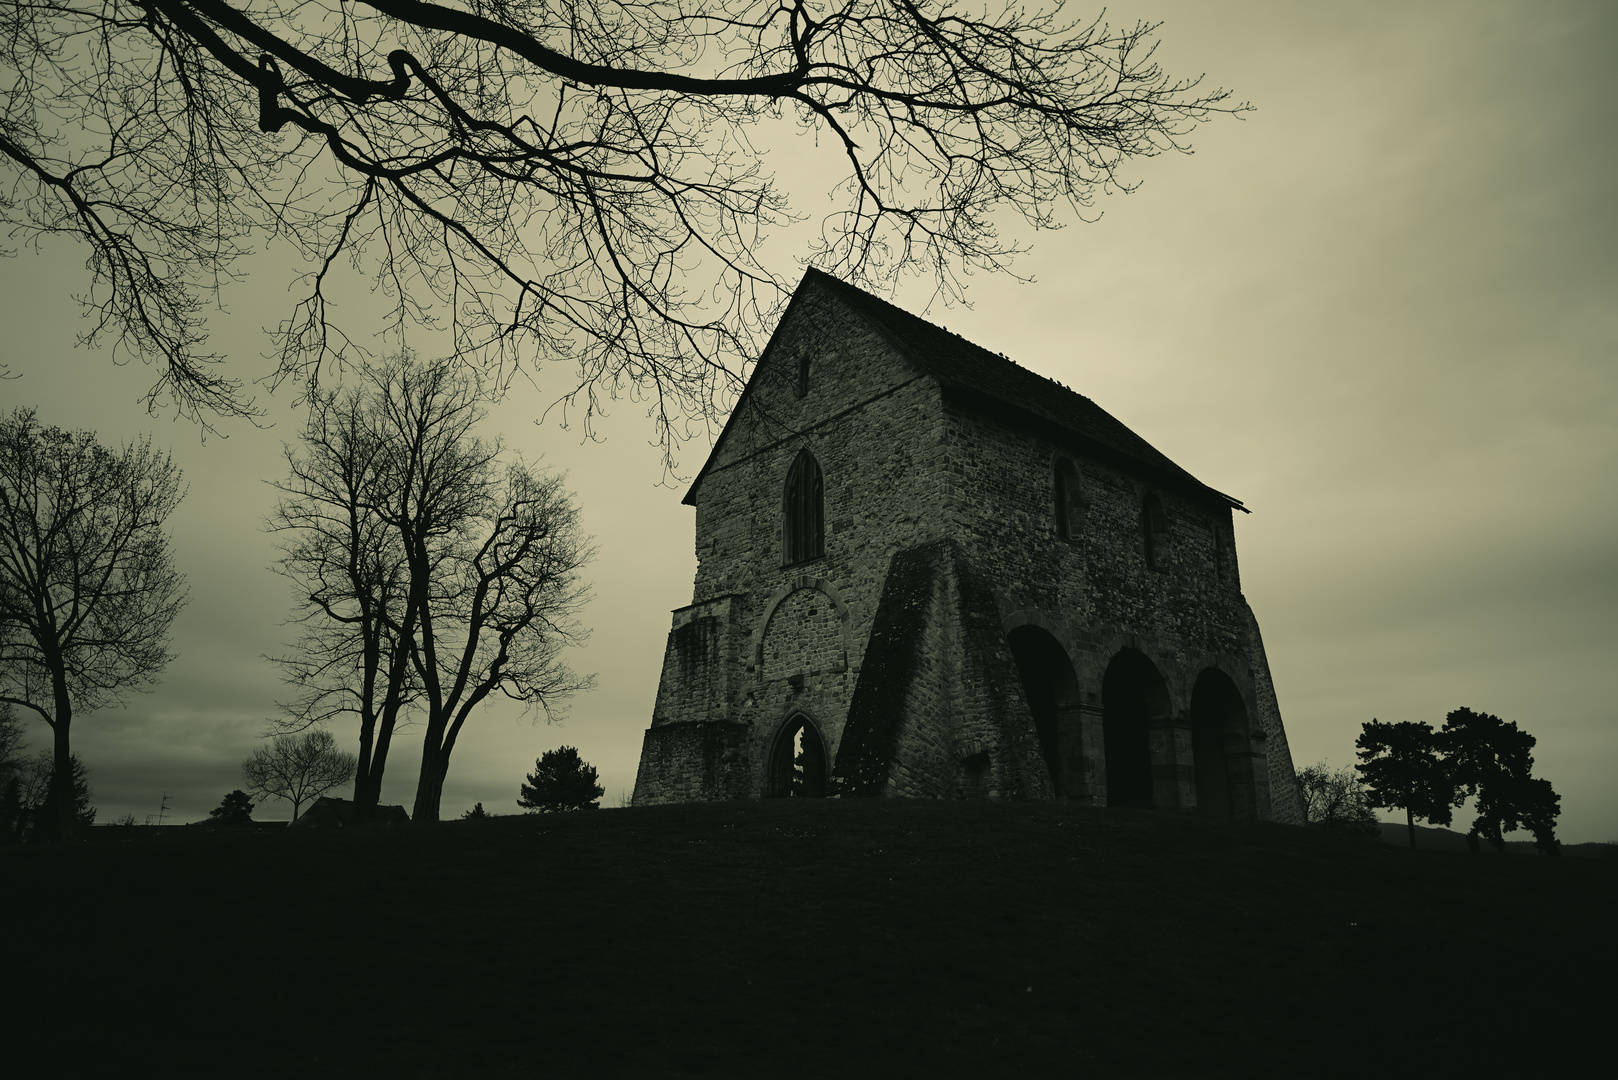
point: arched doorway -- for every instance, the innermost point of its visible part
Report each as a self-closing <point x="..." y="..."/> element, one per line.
<point x="1219" y="745"/>
<point x="797" y="762"/>
<point x="1134" y="697"/>
<point x="1053" y="695"/>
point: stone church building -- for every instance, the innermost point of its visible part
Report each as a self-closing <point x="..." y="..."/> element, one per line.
<point x="927" y="572"/>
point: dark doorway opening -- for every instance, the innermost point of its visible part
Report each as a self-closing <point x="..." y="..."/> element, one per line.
<point x="1050" y="686"/>
<point x="1133" y="696"/>
<point x="1218" y="726"/>
<point x="797" y="762"/>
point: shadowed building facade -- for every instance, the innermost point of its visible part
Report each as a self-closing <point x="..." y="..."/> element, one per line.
<point x="927" y="572"/>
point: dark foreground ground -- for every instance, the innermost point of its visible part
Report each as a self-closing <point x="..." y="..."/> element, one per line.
<point x="804" y="939"/>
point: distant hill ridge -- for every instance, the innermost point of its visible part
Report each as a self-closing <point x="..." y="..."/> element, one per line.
<point x="1431" y="839"/>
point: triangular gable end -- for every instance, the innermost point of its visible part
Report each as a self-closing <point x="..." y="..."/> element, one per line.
<point x="986" y="380"/>
<point x="812" y="281"/>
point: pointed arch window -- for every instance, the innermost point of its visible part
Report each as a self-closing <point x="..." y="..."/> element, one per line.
<point x="797" y="763"/>
<point x="803" y="532"/>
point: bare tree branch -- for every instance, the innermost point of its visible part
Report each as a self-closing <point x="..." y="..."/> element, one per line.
<point x="572" y="180"/>
<point x="430" y="577"/>
<point x="298" y="769"/>
<point x="88" y="588"/>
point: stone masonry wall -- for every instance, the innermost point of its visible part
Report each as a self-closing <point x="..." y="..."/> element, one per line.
<point x="905" y="465"/>
<point x="1095" y="591"/>
<point x="872" y="423"/>
<point x="937" y="712"/>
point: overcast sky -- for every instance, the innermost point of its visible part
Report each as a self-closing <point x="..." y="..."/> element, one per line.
<point x="1382" y="311"/>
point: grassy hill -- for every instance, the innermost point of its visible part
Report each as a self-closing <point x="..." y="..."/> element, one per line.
<point x="846" y="938"/>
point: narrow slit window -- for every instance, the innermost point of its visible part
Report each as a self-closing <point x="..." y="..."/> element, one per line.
<point x="804" y="530"/>
<point x="1069" y="501"/>
<point x="1155" y="531"/>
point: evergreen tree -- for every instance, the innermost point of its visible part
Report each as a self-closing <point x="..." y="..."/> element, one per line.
<point x="235" y="809"/>
<point x="1492" y="760"/>
<point x="561" y="781"/>
<point x="13" y="764"/>
<point x="40" y="799"/>
<point x="1401" y="767"/>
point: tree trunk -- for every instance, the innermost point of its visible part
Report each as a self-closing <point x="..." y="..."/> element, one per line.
<point x="1410" y="821"/>
<point x="362" y="773"/>
<point x="67" y="817"/>
<point x="66" y="826"/>
<point x="430" y="787"/>
<point x="367" y="798"/>
<point x="367" y="790"/>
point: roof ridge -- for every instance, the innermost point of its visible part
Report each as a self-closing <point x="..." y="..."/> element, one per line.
<point x="998" y="377"/>
<point x="889" y="304"/>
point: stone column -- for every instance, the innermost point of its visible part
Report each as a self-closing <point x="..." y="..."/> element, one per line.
<point x="1258" y="763"/>
<point x="1083" y="753"/>
<point x="1174" y="785"/>
<point x="1241" y="766"/>
<point x="1075" y="755"/>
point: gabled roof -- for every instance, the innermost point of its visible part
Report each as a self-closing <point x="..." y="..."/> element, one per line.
<point x="992" y="383"/>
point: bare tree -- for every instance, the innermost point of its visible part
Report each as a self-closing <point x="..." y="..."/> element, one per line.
<point x="1335" y="800"/>
<point x="348" y="567"/>
<point x="88" y="588"/>
<point x="12" y="733"/>
<point x="298" y="769"/>
<point x="573" y="179"/>
<point x="482" y="566"/>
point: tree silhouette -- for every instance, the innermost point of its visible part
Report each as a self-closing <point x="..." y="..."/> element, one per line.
<point x="349" y="572"/>
<point x="430" y="574"/>
<point x="13" y="766"/>
<point x="88" y="589"/>
<point x="1335" y="801"/>
<point x="561" y="781"/>
<point x="1401" y="767"/>
<point x="235" y="808"/>
<point x="574" y="179"/>
<point x="298" y="769"/>
<point x="30" y="801"/>
<point x="1492" y="760"/>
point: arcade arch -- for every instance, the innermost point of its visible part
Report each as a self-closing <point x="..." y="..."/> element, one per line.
<point x="1134" y="699"/>
<point x="1051" y="688"/>
<point x="1219" y="735"/>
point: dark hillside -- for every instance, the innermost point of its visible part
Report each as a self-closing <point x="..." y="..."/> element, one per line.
<point x="802" y="938"/>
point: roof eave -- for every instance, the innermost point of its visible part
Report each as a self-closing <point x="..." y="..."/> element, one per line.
<point x="1175" y="477"/>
